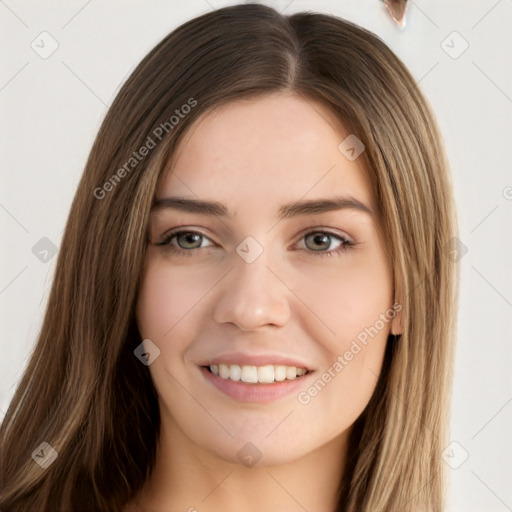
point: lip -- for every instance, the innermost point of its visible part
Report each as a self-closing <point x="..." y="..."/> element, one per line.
<point x="255" y="393"/>
<point x="262" y="359"/>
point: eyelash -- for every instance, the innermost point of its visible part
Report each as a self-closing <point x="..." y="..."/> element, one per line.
<point x="345" y="246"/>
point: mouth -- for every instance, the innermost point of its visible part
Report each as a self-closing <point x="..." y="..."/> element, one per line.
<point x="250" y="374"/>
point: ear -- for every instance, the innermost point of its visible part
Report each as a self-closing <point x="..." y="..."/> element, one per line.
<point x="396" y="323"/>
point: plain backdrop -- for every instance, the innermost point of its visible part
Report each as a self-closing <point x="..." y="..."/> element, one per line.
<point x="458" y="51"/>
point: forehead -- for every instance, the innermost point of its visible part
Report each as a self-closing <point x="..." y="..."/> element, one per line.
<point x="272" y="149"/>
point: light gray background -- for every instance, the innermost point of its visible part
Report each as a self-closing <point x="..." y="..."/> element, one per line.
<point x="52" y="108"/>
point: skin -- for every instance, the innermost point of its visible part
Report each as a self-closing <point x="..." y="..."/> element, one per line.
<point x="254" y="156"/>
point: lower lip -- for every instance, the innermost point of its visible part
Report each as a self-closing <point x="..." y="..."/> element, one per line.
<point x="256" y="393"/>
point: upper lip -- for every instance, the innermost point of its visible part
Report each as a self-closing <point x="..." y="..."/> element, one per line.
<point x="262" y="359"/>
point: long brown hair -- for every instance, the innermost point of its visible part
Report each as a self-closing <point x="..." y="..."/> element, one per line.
<point x="87" y="395"/>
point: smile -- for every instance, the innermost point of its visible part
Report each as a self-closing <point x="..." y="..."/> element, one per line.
<point x="266" y="374"/>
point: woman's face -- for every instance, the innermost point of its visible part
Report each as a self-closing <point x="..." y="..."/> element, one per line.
<point x="263" y="287"/>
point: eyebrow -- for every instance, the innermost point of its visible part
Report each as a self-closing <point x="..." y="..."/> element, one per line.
<point x="287" y="211"/>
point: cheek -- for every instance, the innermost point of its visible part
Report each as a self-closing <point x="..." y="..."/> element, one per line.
<point x="351" y="299"/>
<point x="166" y="297"/>
<point x="345" y="383"/>
<point x="347" y="394"/>
<point x="155" y="306"/>
<point x="347" y="297"/>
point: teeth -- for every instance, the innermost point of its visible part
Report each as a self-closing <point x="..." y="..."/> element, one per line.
<point x="224" y="371"/>
<point x="279" y="373"/>
<point x="257" y="374"/>
<point x="291" y="372"/>
<point x="266" y="373"/>
<point x="249" y="374"/>
<point x="235" y="372"/>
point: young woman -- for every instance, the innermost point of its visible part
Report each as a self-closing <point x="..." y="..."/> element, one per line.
<point x="254" y="304"/>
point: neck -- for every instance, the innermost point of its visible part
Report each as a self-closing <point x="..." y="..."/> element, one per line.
<point x="192" y="480"/>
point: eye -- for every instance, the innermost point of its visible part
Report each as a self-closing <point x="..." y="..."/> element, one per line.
<point x="187" y="241"/>
<point x="316" y="242"/>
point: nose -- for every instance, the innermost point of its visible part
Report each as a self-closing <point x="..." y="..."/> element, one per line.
<point x="252" y="296"/>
